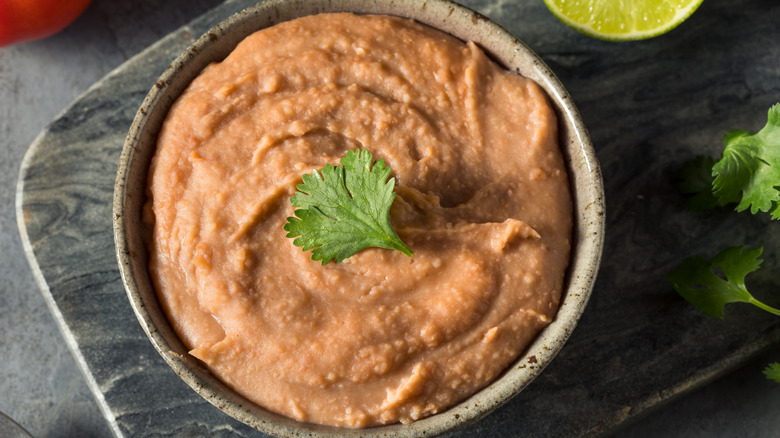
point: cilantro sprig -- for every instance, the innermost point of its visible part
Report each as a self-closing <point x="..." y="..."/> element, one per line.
<point x="696" y="279"/>
<point x="711" y="284"/>
<point x="772" y="372"/>
<point x="344" y="209"/>
<point x="748" y="174"/>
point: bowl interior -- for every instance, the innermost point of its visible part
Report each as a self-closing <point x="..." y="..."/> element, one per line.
<point x="467" y="25"/>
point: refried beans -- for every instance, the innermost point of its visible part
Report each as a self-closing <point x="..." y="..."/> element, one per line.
<point x="482" y="199"/>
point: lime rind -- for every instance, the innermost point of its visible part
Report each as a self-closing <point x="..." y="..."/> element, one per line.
<point x="652" y="18"/>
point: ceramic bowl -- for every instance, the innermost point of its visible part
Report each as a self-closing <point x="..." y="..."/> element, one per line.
<point x="467" y="25"/>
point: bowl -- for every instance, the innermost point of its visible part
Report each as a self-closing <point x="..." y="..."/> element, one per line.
<point x="467" y="25"/>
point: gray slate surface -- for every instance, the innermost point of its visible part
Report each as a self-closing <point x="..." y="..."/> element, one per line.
<point x="649" y="105"/>
<point x="41" y="386"/>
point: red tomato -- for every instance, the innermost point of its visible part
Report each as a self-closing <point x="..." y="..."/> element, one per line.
<point x="25" y="20"/>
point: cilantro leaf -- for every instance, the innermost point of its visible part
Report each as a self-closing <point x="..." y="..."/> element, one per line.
<point x="749" y="171"/>
<point x="695" y="179"/>
<point x="696" y="280"/>
<point x="772" y="372"/>
<point x="748" y="174"/>
<point x="345" y="209"/>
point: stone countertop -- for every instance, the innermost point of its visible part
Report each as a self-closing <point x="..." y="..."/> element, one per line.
<point x="41" y="386"/>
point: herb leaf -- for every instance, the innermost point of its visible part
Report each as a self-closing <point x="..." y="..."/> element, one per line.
<point x="345" y="209"/>
<point x="696" y="280"/>
<point x="749" y="171"/>
<point x="748" y="174"/>
<point x="772" y="372"/>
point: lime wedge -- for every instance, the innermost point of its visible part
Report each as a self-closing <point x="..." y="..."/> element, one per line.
<point x="622" y="20"/>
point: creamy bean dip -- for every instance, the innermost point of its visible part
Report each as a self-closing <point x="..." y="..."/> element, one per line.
<point x="482" y="199"/>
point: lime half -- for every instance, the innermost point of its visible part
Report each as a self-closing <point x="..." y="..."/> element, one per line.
<point x="622" y="20"/>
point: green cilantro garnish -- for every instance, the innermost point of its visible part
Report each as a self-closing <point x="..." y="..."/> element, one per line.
<point x="747" y="174"/>
<point x="345" y="209"/>
<point x="772" y="372"/>
<point x="696" y="279"/>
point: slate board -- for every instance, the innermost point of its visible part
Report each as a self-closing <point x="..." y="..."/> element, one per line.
<point x="649" y="106"/>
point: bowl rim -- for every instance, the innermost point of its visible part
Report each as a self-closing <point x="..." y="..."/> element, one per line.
<point x="585" y="182"/>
